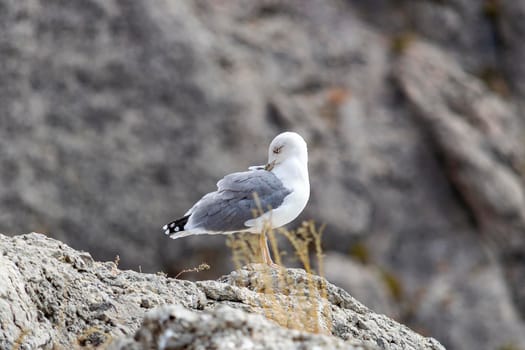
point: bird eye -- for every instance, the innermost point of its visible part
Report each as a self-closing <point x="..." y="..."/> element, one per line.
<point x="277" y="150"/>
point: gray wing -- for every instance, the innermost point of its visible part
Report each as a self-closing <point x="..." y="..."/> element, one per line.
<point x="233" y="203"/>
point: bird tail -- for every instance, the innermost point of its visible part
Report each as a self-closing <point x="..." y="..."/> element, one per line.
<point x="174" y="229"/>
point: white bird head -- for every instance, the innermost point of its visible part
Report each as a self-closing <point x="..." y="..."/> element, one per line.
<point x="285" y="146"/>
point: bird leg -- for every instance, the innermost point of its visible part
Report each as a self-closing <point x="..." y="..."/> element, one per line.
<point x="265" y="252"/>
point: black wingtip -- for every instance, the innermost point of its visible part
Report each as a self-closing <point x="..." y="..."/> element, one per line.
<point x="176" y="226"/>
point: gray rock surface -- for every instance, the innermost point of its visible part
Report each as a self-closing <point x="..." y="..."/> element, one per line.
<point x="365" y="283"/>
<point x="481" y="142"/>
<point x="54" y="296"/>
<point x="115" y="116"/>
<point x="479" y="136"/>
<point x="175" y="327"/>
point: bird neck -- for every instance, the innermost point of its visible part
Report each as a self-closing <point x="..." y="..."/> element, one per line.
<point x="292" y="171"/>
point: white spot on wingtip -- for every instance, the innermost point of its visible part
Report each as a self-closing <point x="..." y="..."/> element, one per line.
<point x="167" y="232"/>
<point x="172" y="225"/>
<point x="165" y="227"/>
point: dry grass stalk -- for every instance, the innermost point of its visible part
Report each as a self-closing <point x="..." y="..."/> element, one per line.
<point x="278" y="292"/>
<point x="201" y="267"/>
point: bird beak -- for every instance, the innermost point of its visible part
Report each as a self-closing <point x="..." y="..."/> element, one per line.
<point x="269" y="166"/>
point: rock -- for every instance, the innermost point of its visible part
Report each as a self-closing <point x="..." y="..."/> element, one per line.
<point x="175" y="327"/>
<point x="449" y="296"/>
<point x="477" y="133"/>
<point x="343" y="317"/>
<point x="480" y="138"/>
<point x="365" y="283"/>
<point x="49" y="301"/>
<point x="482" y="36"/>
<point x="508" y="19"/>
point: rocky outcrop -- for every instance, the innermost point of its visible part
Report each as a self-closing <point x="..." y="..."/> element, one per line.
<point x="175" y="327"/>
<point x="54" y="296"/>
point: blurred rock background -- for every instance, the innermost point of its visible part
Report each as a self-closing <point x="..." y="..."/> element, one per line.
<point x="117" y="115"/>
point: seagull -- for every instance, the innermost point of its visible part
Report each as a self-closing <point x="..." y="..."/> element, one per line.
<point x="270" y="195"/>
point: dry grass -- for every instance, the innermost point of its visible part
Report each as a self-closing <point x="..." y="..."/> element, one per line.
<point x="292" y="303"/>
<point x="201" y="267"/>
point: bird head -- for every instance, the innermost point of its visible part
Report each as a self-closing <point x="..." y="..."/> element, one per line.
<point x="285" y="146"/>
